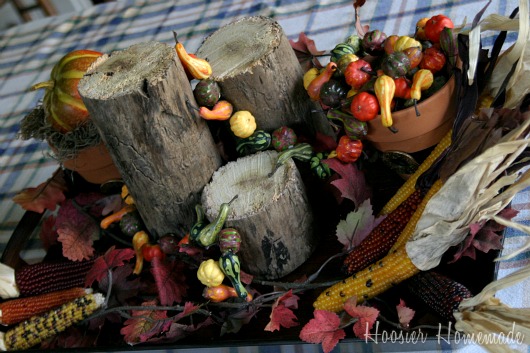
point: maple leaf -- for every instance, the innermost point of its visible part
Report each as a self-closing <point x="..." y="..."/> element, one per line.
<point x="122" y="286"/>
<point x="169" y="279"/>
<point x="306" y="52"/>
<point x="281" y="314"/>
<point x="235" y="321"/>
<point x="48" y="232"/>
<point x="178" y="331"/>
<point x="323" y="143"/>
<point x="77" y="239"/>
<point x="46" y="195"/>
<point x="145" y="324"/>
<point x="357" y="225"/>
<point x="483" y="236"/>
<point x="111" y="259"/>
<point x="405" y="314"/>
<point x="246" y="278"/>
<point x="366" y="317"/>
<point x="351" y="184"/>
<point x="324" y="328"/>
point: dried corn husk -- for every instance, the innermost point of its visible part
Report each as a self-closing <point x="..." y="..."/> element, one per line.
<point x="477" y="191"/>
<point x="486" y="316"/>
<point x="518" y="54"/>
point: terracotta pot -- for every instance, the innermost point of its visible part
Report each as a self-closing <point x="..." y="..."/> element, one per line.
<point x="416" y="133"/>
<point x="94" y="164"/>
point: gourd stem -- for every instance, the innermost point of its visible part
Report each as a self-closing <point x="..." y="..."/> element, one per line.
<point x="46" y="84"/>
<point x="416" y="107"/>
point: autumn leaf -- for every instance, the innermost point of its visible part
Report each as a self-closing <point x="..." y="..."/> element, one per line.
<point x="111" y="259"/>
<point x="323" y="143"/>
<point x="77" y="239"/>
<point x="281" y="314"/>
<point x="145" y="324"/>
<point x="483" y="236"/>
<point x="357" y="225"/>
<point x="48" y="232"/>
<point x="178" y="331"/>
<point x="46" y="195"/>
<point x="365" y="315"/>
<point x="324" y="328"/>
<point x="170" y="280"/>
<point x="306" y="52"/>
<point x="238" y="319"/>
<point x="405" y="314"/>
<point x="122" y="287"/>
<point x="351" y="184"/>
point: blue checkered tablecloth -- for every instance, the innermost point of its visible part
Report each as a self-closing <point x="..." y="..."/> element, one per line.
<point x="29" y="51"/>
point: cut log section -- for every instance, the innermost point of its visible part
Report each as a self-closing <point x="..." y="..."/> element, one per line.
<point x="257" y="69"/>
<point x="272" y="213"/>
<point x="137" y="99"/>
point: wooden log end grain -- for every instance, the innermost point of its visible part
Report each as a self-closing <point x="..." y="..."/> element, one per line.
<point x="257" y="69"/>
<point x="272" y="213"/>
<point x="138" y="99"/>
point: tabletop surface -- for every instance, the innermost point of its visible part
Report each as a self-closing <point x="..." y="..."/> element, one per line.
<point x="29" y="51"/>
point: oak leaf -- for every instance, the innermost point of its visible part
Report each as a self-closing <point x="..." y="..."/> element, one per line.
<point x="324" y="328"/>
<point x="46" y="195"/>
<point x="306" y="52"/>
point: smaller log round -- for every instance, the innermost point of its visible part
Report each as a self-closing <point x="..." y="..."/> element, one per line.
<point x="257" y="69"/>
<point x="272" y="213"/>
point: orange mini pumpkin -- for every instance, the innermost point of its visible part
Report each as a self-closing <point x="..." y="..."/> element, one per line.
<point x="62" y="103"/>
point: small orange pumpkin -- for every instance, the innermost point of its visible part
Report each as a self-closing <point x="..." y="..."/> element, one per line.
<point x="64" y="107"/>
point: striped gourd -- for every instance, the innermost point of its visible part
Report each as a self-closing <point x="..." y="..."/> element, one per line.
<point x="410" y="185"/>
<point x="340" y="50"/>
<point x="17" y="310"/>
<point x="41" y="327"/>
<point x="440" y="293"/>
<point x="45" y="277"/>
<point x="383" y="236"/>
<point x="369" y="282"/>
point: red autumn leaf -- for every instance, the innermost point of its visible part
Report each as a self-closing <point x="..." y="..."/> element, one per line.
<point x="281" y="314"/>
<point x="246" y="278"/>
<point x="111" y="259"/>
<point x="357" y="225"/>
<point x="483" y="236"/>
<point x="361" y="30"/>
<point x="46" y="195"/>
<point x="324" y="143"/>
<point x="324" y="328"/>
<point x="366" y="317"/>
<point x="306" y="52"/>
<point x="405" y="314"/>
<point x="178" y="331"/>
<point x="48" y="232"/>
<point x="123" y="287"/>
<point x="77" y="239"/>
<point x="145" y="324"/>
<point x="351" y="184"/>
<point x="170" y="280"/>
<point x="235" y="321"/>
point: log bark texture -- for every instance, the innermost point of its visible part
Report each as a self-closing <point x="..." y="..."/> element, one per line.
<point x="257" y="70"/>
<point x="137" y="99"/>
<point x="272" y="213"/>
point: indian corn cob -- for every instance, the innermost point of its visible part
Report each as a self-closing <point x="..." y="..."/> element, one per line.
<point x="383" y="236"/>
<point x="369" y="282"/>
<point x="410" y="184"/>
<point x="40" y="327"/>
<point x="17" y="310"/>
<point x="42" y="277"/>
<point x="441" y="294"/>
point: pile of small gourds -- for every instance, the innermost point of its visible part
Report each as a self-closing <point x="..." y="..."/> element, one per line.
<point x="377" y="74"/>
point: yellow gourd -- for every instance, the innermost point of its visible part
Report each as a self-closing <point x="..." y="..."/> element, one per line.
<point x="385" y="88"/>
<point x="242" y="124"/>
<point x="421" y="81"/>
<point x="404" y="42"/>
<point x="310" y="75"/>
<point x="210" y="274"/>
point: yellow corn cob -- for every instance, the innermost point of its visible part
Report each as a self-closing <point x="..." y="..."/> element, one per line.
<point x="373" y="280"/>
<point x="411" y="225"/>
<point x="409" y="186"/>
<point x="38" y="328"/>
<point x="17" y="310"/>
